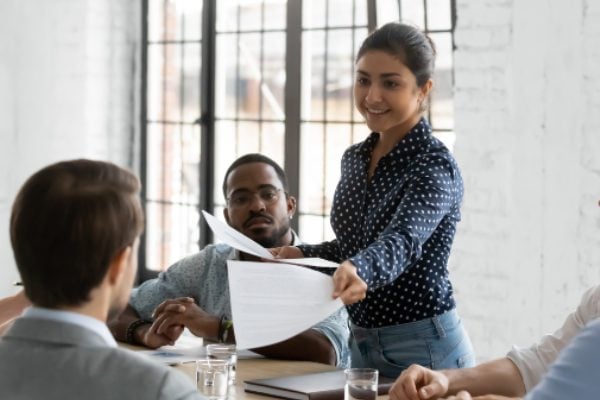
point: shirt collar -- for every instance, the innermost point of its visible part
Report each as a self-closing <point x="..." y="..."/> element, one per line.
<point x="406" y="146"/>
<point x="74" y="318"/>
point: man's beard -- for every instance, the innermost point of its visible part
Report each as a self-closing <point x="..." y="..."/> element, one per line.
<point x="274" y="240"/>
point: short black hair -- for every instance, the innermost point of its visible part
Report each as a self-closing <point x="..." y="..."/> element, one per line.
<point x="408" y="44"/>
<point x="68" y="223"/>
<point x="256" y="158"/>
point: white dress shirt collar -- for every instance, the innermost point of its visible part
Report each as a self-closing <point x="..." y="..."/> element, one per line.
<point x="74" y="318"/>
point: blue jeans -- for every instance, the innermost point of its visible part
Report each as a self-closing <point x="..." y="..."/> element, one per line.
<point x="440" y="342"/>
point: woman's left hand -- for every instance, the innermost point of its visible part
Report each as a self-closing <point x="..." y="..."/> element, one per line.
<point x="347" y="285"/>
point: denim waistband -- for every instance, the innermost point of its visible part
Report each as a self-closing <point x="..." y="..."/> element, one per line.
<point x="440" y="323"/>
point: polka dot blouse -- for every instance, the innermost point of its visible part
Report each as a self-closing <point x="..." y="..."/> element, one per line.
<point x="397" y="227"/>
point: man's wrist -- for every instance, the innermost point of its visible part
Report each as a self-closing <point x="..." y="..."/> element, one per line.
<point x="136" y="330"/>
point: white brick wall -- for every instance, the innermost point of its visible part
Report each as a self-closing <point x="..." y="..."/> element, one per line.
<point x="528" y="140"/>
<point x="67" y="87"/>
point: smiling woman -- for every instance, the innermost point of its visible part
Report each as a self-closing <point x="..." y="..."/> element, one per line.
<point x="394" y="215"/>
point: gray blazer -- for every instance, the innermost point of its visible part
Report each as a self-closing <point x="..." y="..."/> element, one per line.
<point x="45" y="359"/>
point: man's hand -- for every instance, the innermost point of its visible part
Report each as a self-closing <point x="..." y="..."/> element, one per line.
<point x="286" y="252"/>
<point x="347" y="285"/>
<point x="183" y="312"/>
<point x="145" y="336"/>
<point x="419" y="383"/>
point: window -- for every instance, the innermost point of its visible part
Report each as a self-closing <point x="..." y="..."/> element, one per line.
<point x="225" y="78"/>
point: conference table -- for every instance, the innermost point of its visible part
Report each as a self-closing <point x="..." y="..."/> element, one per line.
<point x="256" y="368"/>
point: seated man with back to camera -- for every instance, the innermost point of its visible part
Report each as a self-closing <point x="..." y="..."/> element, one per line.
<point x="74" y="231"/>
<point x="194" y="292"/>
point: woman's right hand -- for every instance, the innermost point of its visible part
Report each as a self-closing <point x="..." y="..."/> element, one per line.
<point x="286" y="252"/>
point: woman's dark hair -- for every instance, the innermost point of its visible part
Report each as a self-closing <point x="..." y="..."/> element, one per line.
<point x="408" y="44"/>
<point x="68" y="223"/>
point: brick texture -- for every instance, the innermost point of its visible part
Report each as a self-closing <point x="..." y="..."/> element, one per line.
<point x="527" y="125"/>
<point x="67" y="88"/>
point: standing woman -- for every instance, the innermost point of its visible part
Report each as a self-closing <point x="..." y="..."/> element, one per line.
<point x="394" y="215"/>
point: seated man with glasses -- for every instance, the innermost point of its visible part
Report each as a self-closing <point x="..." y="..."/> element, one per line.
<point x="194" y="292"/>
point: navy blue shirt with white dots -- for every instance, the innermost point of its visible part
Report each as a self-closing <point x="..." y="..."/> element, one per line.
<point x="397" y="228"/>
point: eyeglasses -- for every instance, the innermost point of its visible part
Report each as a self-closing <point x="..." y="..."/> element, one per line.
<point x="243" y="198"/>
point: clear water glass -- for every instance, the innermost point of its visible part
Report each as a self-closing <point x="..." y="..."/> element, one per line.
<point x="224" y="352"/>
<point x="212" y="378"/>
<point x="361" y="384"/>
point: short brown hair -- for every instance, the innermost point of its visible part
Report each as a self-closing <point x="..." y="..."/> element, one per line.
<point x="68" y="222"/>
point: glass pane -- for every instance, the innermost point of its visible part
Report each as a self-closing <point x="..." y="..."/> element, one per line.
<point x="441" y="102"/>
<point x="339" y="13"/>
<point x="190" y="12"/>
<point x="275" y="14"/>
<point x="360" y="132"/>
<point x="154" y="93"/>
<point x="312" y="228"/>
<point x="250" y="15"/>
<point x="173" y="163"/>
<point x="412" y="11"/>
<point x="387" y="11"/>
<point x="337" y="140"/>
<point x="174" y="234"/>
<point x="174" y="20"/>
<point x="360" y="12"/>
<point x="249" y="69"/>
<point x="248" y="137"/>
<point x="439" y="15"/>
<point x="227" y="16"/>
<point x="359" y="37"/>
<point x="227" y="82"/>
<point x="340" y="75"/>
<point x="312" y="165"/>
<point x="313" y="64"/>
<point x="192" y="54"/>
<point x="225" y="153"/>
<point x="313" y="13"/>
<point x="443" y="46"/>
<point x="273" y="141"/>
<point x="164" y="82"/>
<point x="156" y="20"/>
<point x="273" y="75"/>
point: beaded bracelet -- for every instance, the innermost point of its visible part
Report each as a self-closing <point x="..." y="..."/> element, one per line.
<point x="131" y="328"/>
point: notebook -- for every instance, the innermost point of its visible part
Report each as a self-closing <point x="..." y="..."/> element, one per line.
<point x="319" y="386"/>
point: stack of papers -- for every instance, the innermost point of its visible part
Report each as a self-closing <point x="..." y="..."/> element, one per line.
<point x="275" y="300"/>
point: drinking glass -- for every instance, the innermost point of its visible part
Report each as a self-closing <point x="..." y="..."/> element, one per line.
<point x="212" y="378"/>
<point x="224" y="352"/>
<point x="361" y="384"/>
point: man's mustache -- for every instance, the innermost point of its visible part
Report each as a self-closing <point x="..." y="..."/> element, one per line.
<point x="257" y="215"/>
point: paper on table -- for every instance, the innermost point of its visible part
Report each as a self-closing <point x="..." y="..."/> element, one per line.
<point x="273" y="302"/>
<point x="243" y="243"/>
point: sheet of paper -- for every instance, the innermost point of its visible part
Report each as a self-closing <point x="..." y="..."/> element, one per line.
<point x="234" y="238"/>
<point x="188" y="348"/>
<point x="271" y="302"/>
<point x="243" y="243"/>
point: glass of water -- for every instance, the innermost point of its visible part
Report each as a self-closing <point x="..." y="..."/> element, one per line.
<point x="212" y="378"/>
<point x="361" y="384"/>
<point x="224" y="352"/>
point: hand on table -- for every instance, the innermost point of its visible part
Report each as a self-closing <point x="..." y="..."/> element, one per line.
<point x="419" y="383"/>
<point x="175" y="314"/>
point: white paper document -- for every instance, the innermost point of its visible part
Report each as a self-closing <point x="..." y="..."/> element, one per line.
<point x="271" y="302"/>
<point x="243" y="243"/>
